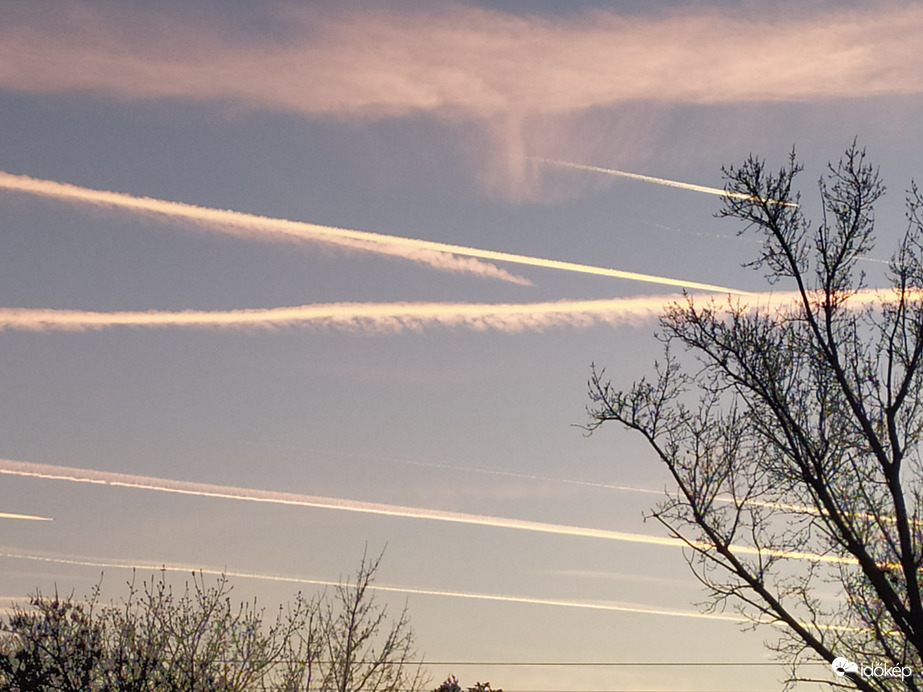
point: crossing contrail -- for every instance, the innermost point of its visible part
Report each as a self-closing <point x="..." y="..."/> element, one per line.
<point x="78" y="475"/>
<point x="615" y="606"/>
<point x="651" y="179"/>
<point x="254" y="227"/>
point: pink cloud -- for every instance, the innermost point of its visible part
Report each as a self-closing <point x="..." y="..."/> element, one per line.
<point x="461" y="61"/>
<point x="523" y="81"/>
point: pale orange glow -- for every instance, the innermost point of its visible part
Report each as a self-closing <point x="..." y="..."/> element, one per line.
<point x="440" y="255"/>
<point x="76" y="475"/>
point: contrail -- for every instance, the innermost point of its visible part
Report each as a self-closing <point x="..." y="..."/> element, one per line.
<point x="29" y="517"/>
<point x="804" y="509"/>
<point x="254" y="227"/>
<point x="394" y="317"/>
<point x="494" y="472"/>
<point x="613" y="606"/>
<point x="651" y="179"/>
<point x="589" y="605"/>
<point x="376" y="317"/>
<point x="77" y="475"/>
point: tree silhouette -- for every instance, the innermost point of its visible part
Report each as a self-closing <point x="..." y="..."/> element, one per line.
<point x="198" y="639"/>
<point x="791" y="425"/>
<point x="451" y="684"/>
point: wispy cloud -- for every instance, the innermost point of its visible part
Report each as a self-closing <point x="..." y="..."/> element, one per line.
<point x="123" y="480"/>
<point x="519" y="78"/>
<point x="615" y="606"/>
<point x="454" y="58"/>
<point x="254" y="227"/>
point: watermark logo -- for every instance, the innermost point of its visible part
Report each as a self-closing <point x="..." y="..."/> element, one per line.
<point x="841" y="666"/>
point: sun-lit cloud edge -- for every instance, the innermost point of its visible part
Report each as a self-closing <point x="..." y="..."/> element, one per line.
<point x="445" y="256"/>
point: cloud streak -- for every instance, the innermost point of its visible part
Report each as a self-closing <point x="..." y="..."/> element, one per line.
<point x="123" y="480"/>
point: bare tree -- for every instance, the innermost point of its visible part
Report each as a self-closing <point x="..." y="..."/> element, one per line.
<point x="57" y="646"/>
<point x="365" y="650"/>
<point x="200" y="640"/>
<point x="791" y="427"/>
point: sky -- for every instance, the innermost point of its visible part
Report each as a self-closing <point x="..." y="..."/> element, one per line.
<point x="282" y="283"/>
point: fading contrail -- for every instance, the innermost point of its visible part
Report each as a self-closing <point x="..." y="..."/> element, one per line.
<point x="804" y="509"/>
<point x="77" y="475"/>
<point x="252" y="226"/>
<point x="492" y="472"/>
<point x="589" y="605"/>
<point x="616" y="606"/>
<point x="29" y="517"/>
<point x="651" y="179"/>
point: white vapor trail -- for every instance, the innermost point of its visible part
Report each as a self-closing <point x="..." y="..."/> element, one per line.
<point x="254" y="227"/>
<point x="28" y="517"/>
<point x="375" y="317"/>
<point x="393" y="317"/>
<point x="77" y="475"/>
<point x="527" y="600"/>
<point x="651" y="179"/>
